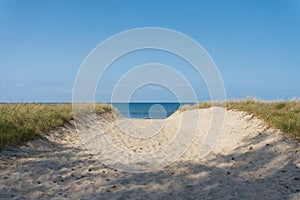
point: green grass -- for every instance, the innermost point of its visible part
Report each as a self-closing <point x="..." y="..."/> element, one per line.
<point x="284" y="115"/>
<point x="22" y="122"/>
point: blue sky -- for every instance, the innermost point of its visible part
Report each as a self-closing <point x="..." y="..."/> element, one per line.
<point x="255" y="44"/>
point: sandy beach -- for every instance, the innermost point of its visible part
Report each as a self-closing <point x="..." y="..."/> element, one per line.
<point x="249" y="161"/>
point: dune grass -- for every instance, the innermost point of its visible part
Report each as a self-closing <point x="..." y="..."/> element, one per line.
<point x="22" y="122"/>
<point x="284" y="115"/>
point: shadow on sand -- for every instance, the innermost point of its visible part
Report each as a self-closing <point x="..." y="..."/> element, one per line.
<point x="47" y="170"/>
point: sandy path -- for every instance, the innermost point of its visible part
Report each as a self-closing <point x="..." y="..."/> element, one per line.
<point x="250" y="161"/>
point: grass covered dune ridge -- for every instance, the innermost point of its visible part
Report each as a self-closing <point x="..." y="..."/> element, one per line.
<point x="283" y="115"/>
<point x="22" y="122"/>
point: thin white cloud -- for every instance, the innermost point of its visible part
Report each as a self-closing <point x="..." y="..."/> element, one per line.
<point x="12" y="83"/>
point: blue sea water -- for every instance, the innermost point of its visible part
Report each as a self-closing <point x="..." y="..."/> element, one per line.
<point x="147" y="110"/>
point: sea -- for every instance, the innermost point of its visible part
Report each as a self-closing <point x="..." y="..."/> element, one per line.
<point x="147" y="110"/>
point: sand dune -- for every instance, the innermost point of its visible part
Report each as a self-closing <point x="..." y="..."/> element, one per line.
<point x="249" y="161"/>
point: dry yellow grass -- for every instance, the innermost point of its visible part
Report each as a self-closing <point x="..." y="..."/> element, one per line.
<point x="284" y="115"/>
<point x="22" y="122"/>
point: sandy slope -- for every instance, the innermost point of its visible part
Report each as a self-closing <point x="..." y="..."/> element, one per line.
<point x="249" y="161"/>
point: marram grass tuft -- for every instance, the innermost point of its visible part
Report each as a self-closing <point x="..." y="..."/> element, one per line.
<point x="22" y="122"/>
